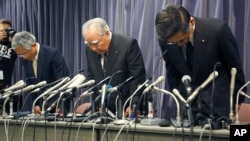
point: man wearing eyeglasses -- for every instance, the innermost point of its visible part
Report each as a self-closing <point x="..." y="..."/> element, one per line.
<point x="7" y="59"/>
<point x="108" y="53"/>
<point x="40" y="62"/>
<point x="196" y="47"/>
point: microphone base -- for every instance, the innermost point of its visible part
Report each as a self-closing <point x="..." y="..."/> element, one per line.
<point x="181" y="123"/>
<point x="151" y="121"/>
<point x="120" y="122"/>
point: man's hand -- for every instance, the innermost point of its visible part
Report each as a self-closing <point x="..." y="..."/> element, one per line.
<point x="129" y="111"/>
<point x="37" y="110"/>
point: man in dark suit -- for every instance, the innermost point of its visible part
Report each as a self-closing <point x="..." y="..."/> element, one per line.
<point x="108" y="53"/>
<point x="49" y="64"/>
<point x="213" y="48"/>
<point x="7" y="59"/>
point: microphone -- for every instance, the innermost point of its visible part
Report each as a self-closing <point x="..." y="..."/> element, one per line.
<point x="211" y="77"/>
<point x="62" y="81"/>
<point x="38" y="86"/>
<point x="27" y="88"/>
<point x="79" y="71"/>
<point x="119" y="71"/>
<point x="151" y="86"/>
<point x="150" y="106"/>
<point x="114" y="89"/>
<point x="177" y="122"/>
<point x="68" y="87"/>
<point x="17" y="85"/>
<point x="95" y="86"/>
<point x="76" y="80"/>
<point x="232" y="84"/>
<point x="123" y="121"/>
<point x="186" y="80"/>
<point x="88" y="83"/>
<point x="177" y="94"/>
<point x="104" y="89"/>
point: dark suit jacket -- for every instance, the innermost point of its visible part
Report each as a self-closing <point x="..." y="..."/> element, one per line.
<point x="123" y="55"/>
<point x="213" y="42"/>
<point x="51" y="66"/>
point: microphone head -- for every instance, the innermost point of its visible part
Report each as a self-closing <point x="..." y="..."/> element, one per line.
<point x="233" y="71"/>
<point x="185" y="78"/>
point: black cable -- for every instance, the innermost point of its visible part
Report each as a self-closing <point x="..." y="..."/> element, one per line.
<point x="212" y="93"/>
<point x="64" y="130"/>
<point x="127" y="133"/>
<point x="133" y="137"/>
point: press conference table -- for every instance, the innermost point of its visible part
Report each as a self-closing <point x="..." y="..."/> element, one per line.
<point x="30" y="130"/>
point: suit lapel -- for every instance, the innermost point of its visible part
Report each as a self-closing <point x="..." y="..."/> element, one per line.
<point x="200" y="45"/>
<point x="112" y="55"/>
<point x="40" y="61"/>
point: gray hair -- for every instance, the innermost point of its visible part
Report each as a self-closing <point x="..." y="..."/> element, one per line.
<point x="24" y="39"/>
<point x="99" y="23"/>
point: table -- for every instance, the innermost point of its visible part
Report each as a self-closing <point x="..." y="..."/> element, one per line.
<point x="90" y="131"/>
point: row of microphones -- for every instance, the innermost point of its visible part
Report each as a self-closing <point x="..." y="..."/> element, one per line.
<point x="17" y="92"/>
<point x="156" y="82"/>
<point x="50" y="89"/>
<point x="83" y="85"/>
<point x="67" y="88"/>
<point x="17" y="85"/>
<point x="92" y="88"/>
<point x="130" y="98"/>
<point x="210" y="78"/>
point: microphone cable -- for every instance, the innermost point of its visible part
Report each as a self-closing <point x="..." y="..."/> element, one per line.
<point x="64" y="130"/>
<point x="117" y="135"/>
<point x="212" y="93"/>
<point x="88" y="117"/>
<point x="6" y="127"/>
<point x="150" y="78"/>
<point x="204" y="128"/>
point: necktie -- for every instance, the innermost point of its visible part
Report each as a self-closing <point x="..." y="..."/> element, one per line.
<point x="189" y="54"/>
<point x="34" y="64"/>
<point x="105" y="59"/>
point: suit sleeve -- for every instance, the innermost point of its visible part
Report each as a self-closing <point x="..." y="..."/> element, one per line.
<point x="59" y="66"/>
<point x="135" y="65"/>
<point x="230" y="55"/>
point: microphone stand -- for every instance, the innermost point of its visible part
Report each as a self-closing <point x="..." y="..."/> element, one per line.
<point x="119" y="105"/>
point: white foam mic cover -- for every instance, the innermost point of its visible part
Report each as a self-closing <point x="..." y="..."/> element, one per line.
<point x="17" y="92"/>
<point x="86" y="84"/>
<point x="159" y="80"/>
<point x="17" y="85"/>
<point x="73" y="82"/>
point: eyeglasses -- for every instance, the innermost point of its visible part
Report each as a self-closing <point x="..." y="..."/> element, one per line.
<point x="181" y="40"/>
<point x="93" y="43"/>
<point x="22" y="54"/>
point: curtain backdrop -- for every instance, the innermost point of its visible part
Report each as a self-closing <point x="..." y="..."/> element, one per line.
<point x="57" y="23"/>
